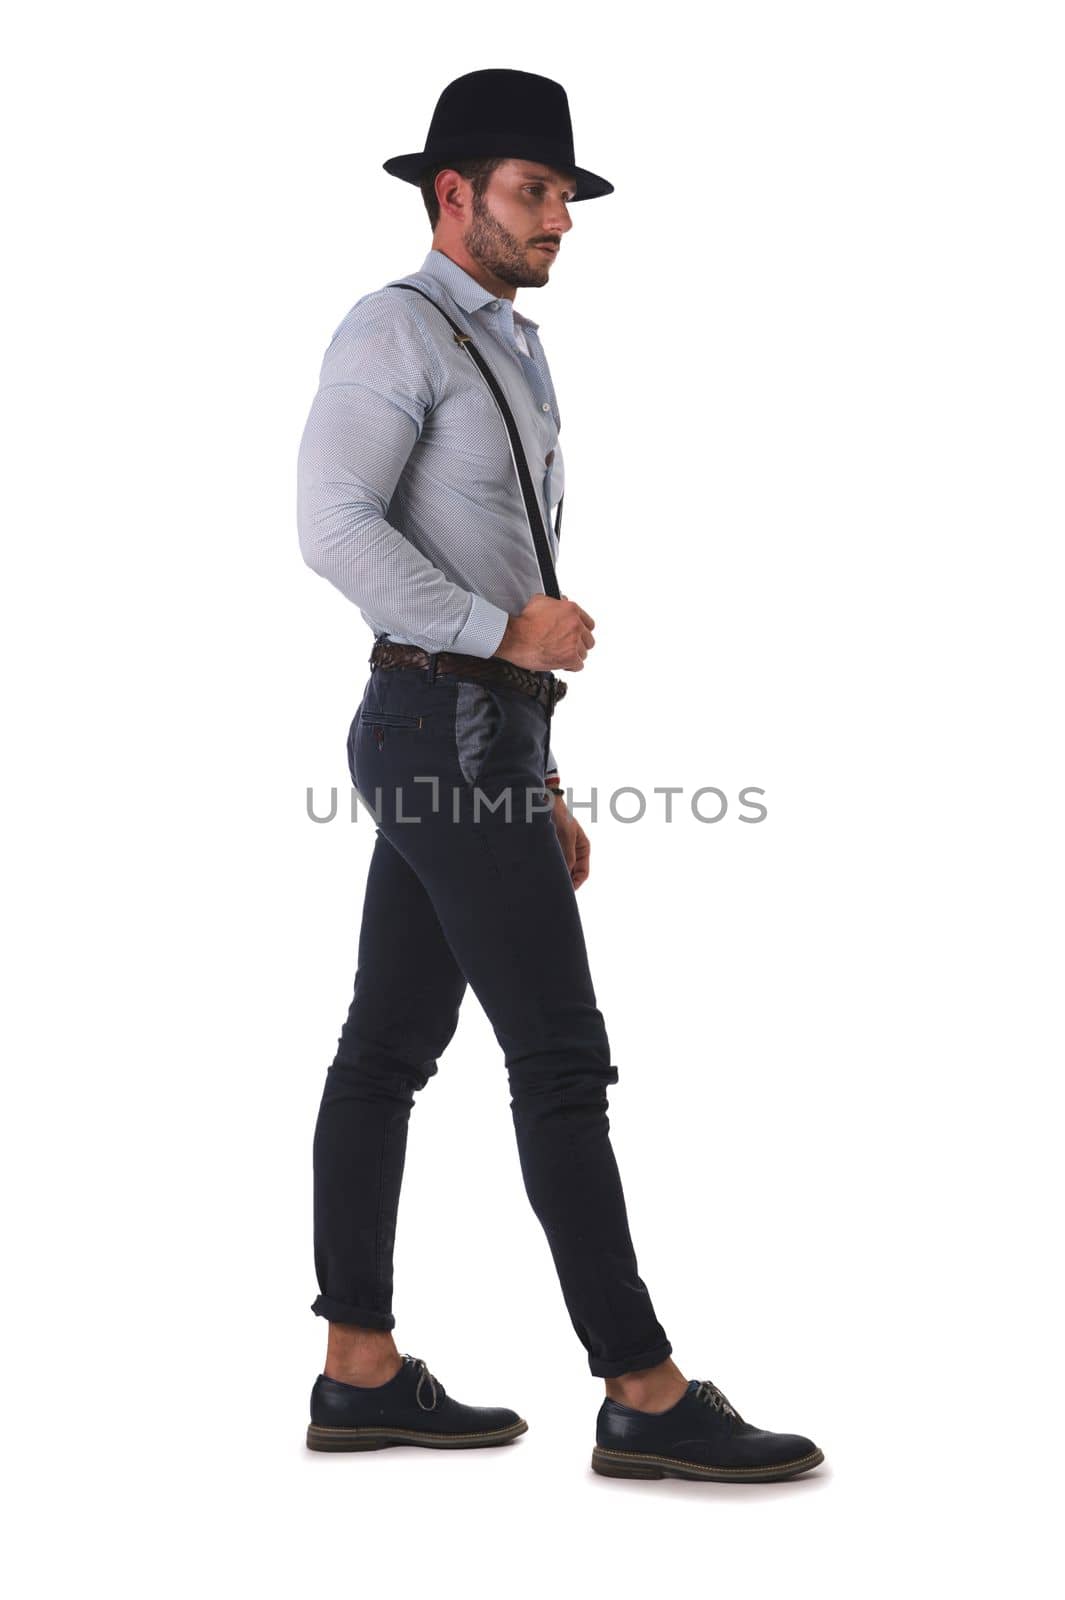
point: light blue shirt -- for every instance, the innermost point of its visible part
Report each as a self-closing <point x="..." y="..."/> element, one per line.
<point x="407" y="497"/>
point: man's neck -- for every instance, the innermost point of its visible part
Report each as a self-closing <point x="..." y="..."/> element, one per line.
<point x="487" y="280"/>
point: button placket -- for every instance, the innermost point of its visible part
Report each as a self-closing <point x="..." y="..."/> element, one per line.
<point x="542" y="417"/>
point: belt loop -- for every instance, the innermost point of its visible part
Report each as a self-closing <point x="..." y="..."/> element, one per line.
<point x="430" y="669"/>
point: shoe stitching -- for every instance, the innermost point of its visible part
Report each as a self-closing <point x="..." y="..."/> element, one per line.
<point x="678" y="1461"/>
<point x="409" y="1433"/>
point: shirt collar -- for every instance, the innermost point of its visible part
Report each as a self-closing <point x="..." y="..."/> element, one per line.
<point x="466" y="292"/>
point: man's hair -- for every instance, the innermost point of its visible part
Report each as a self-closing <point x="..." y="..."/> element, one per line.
<point x="477" y="169"/>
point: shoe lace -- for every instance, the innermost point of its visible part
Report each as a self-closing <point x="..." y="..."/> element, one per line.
<point x="425" y="1376"/>
<point x="711" y="1395"/>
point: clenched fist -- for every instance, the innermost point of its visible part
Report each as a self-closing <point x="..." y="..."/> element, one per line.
<point x="548" y="635"/>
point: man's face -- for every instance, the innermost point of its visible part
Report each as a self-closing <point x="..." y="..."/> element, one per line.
<point x="523" y="208"/>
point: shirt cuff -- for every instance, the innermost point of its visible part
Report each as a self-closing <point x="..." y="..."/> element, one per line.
<point x="481" y="633"/>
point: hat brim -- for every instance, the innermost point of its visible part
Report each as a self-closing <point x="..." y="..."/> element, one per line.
<point x="590" y="186"/>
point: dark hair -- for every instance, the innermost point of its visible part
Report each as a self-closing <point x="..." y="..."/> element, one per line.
<point x="477" y="169"/>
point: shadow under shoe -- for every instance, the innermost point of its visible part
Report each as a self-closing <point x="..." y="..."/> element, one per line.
<point x="702" y="1436"/>
<point x="412" y="1408"/>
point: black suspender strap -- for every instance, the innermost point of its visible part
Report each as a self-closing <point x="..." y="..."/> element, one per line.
<point x="532" y="503"/>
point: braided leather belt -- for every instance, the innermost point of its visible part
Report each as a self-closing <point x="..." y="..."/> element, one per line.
<point x="544" y="687"/>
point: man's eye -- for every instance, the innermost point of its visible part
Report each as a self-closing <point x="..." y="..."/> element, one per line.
<point x="537" y="188"/>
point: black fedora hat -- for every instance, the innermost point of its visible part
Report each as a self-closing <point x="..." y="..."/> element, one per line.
<point x="501" y="112"/>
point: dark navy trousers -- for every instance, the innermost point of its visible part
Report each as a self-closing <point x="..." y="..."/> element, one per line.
<point x="467" y="884"/>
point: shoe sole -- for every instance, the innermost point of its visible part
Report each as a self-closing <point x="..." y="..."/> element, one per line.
<point x="380" y="1438"/>
<point x="635" y="1464"/>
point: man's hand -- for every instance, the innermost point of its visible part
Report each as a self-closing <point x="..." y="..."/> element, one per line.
<point x="548" y="634"/>
<point x="574" y="841"/>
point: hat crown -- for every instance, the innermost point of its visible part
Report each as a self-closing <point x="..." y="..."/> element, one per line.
<point x="502" y="99"/>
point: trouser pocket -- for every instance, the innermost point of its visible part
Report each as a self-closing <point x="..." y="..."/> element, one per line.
<point x="391" y="719"/>
<point x="478" y="724"/>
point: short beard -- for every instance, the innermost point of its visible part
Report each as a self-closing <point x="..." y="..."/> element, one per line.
<point x="497" y="250"/>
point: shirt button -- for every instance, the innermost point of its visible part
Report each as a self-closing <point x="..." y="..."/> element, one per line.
<point x="545" y="406"/>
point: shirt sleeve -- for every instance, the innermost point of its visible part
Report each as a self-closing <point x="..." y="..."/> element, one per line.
<point x="378" y="382"/>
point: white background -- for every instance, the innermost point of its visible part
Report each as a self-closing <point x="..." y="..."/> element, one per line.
<point x="809" y="360"/>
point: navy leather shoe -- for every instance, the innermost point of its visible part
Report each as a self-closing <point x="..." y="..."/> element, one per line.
<point x="702" y="1436"/>
<point x="411" y="1408"/>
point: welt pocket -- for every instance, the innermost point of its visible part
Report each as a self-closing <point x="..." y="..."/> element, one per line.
<point x="390" y="719"/>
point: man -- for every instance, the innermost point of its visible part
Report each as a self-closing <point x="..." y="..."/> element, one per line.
<point x="428" y="471"/>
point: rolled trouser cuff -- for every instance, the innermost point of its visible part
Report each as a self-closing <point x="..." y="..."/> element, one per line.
<point x="361" y="1316"/>
<point x="635" y="1363"/>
